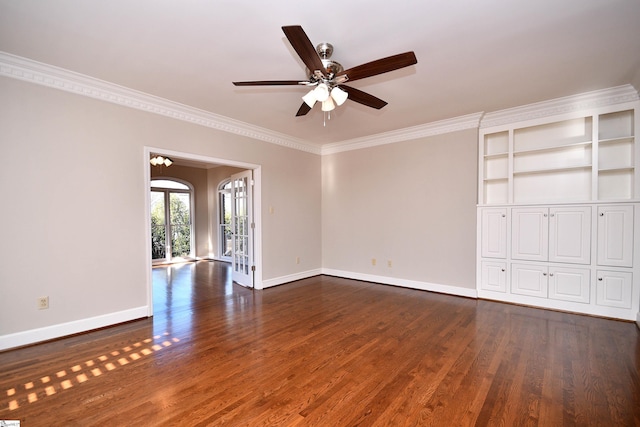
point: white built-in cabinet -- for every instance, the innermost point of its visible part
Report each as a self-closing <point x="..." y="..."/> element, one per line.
<point x="494" y="226"/>
<point x="615" y="234"/>
<point x="559" y="212"/>
<point x="556" y="234"/>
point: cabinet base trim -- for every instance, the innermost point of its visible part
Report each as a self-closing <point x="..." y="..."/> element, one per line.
<point x="562" y="306"/>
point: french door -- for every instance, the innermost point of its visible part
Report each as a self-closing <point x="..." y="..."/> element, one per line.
<point x="171" y="224"/>
<point x="242" y="225"/>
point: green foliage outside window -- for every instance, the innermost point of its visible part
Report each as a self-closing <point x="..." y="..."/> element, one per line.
<point x="180" y="228"/>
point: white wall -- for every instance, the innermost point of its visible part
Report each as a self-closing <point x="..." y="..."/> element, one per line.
<point x="73" y="197"/>
<point x="412" y="203"/>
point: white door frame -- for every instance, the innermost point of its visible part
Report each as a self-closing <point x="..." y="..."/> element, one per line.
<point x="257" y="209"/>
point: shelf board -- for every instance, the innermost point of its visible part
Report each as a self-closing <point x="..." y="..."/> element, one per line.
<point x="555" y="148"/>
<point x="552" y="170"/>
<point x="620" y="169"/>
<point x="621" y="139"/>
<point x="495" y="155"/>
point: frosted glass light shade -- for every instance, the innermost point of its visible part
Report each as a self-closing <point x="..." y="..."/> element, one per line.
<point x="339" y="95"/>
<point x="310" y="98"/>
<point x="321" y="92"/>
<point x="328" y="105"/>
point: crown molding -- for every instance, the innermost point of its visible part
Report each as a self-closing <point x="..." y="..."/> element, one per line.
<point x="58" y="78"/>
<point x="569" y="104"/>
<point x="469" y="121"/>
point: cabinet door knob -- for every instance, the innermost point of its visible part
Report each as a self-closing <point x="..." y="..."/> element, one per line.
<point x="544" y="274"/>
<point x="502" y="270"/>
<point x="503" y="215"/>
<point x="600" y="279"/>
<point x="552" y="215"/>
<point x="545" y="215"/>
<point x="551" y="274"/>
<point x="601" y="213"/>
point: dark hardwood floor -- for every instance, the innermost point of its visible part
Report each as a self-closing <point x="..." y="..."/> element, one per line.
<point x="327" y="352"/>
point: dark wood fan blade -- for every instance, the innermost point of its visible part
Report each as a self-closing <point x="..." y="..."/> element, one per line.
<point x="380" y="66"/>
<point x="363" y="98"/>
<point x="303" y="47"/>
<point x="304" y="109"/>
<point x="268" y="83"/>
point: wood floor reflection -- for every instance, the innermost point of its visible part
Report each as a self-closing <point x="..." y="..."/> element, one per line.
<point x="326" y="351"/>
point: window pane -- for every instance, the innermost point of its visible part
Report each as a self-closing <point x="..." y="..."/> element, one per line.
<point x="225" y="222"/>
<point x="165" y="183"/>
<point x="180" y="224"/>
<point x="158" y="226"/>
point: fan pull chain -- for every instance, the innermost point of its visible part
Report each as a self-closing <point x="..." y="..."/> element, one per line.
<point x="327" y="116"/>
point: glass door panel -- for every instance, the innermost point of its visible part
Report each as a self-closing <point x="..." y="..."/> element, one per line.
<point x="180" y="224"/>
<point x="242" y="231"/>
<point x="226" y="230"/>
<point x="158" y="226"/>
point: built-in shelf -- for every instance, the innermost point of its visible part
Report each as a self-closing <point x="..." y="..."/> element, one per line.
<point x="559" y="209"/>
<point x="586" y="157"/>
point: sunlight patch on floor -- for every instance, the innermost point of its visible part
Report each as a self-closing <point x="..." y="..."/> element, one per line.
<point x="65" y="379"/>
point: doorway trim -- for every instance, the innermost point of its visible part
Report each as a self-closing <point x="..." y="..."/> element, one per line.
<point x="257" y="209"/>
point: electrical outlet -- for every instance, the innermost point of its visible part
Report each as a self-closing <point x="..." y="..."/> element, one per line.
<point x="43" y="303"/>
<point x="373" y="261"/>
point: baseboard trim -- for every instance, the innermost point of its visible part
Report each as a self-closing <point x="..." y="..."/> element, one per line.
<point x="33" y="336"/>
<point x="290" y="278"/>
<point x="405" y="283"/>
<point x="638" y="320"/>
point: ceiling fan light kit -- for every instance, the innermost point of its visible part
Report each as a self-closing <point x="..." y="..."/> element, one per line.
<point x="329" y="76"/>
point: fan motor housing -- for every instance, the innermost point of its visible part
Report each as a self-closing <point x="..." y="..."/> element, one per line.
<point x="325" y="50"/>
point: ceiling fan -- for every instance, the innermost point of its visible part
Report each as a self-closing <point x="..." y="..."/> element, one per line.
<point x="327" y="77"/>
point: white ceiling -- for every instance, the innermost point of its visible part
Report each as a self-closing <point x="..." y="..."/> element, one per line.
<point x="472" y="55"/>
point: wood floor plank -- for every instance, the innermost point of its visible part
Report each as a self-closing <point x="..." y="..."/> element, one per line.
<point x="327" y="351"/>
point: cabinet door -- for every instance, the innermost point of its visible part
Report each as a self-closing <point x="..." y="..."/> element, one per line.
<point x="529" y="234"/>
<point x="494" y="276"/>
<point x="615" y="235"/>
<point x="613" y="288"/>
<point x="569" y="284"/>
<point x="494" y="233"/>
<point x="570" y="234"/>
<point x="529" y="280"/>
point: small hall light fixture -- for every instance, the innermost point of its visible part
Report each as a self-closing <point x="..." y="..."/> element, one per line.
<point x="160" y="161"/>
